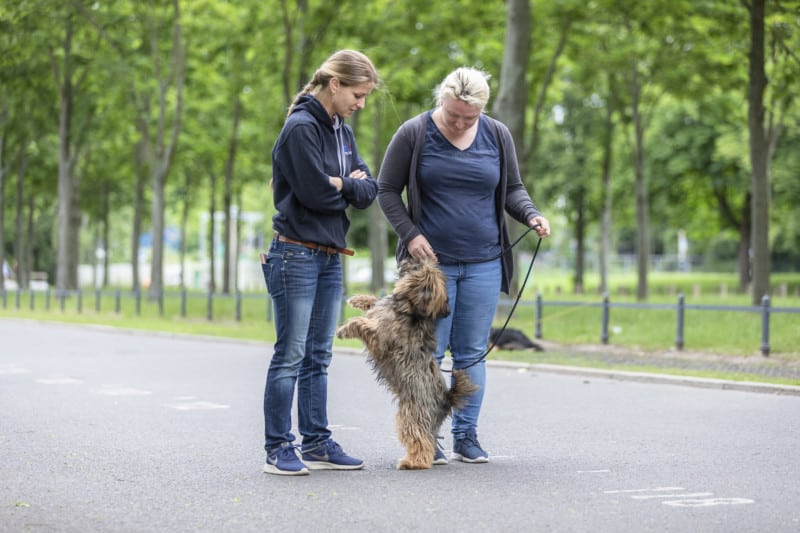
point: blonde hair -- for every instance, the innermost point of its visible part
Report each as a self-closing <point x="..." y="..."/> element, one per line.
<point x="350" y="67"/>
<point x="467" y="84"/>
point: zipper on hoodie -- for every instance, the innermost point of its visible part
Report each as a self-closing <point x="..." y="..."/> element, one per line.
<point x="342" y="150"/>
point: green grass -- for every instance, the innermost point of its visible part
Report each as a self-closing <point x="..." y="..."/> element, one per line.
<point x="574" y="323"/>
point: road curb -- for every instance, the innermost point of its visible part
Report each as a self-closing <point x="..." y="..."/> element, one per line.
<point x="622" y="375"/>
<point x="644" y="377"/>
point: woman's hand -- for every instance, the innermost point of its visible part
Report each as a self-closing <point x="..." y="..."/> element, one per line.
<point x="358" y="174"/>
<point x="420" y="248"/>
<point x="337" y="182"/>
<point x="541" y="225"/>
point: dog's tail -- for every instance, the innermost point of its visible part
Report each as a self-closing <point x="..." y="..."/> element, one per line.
<point x="461" y="388"/>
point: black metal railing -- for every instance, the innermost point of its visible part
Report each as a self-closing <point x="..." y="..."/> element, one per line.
<point x="766" y="310"/>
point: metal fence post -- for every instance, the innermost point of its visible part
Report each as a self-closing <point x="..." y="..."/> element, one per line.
<point x="765" y="325"/>
<point x="3" y="295"/>
<point x="97" y="300"/>
<point x="47" y="299"/>
<point x="117" y="301"/>
<point x="238" y="306"/>
<point x="31" y="294"/>
<point x="62" y="294"/>
<point x="679" y="330"/>
<point x="138" y="302"/>
<point x="210" y="306"/>
<point x="161" y="302"/>
<point x="538" y="331"/>
<point x="17" y="296"/>
<point x="183" y="302"/>
<point x="604" y="326"/>
<point x="80" y="300"/>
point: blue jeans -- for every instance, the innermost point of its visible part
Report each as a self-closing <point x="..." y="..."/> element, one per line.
<point x="306" y="290"/>
<point x="473" y="290"/>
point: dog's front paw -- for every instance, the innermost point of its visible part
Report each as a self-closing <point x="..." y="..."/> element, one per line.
<point x="343" y="332"/>
<point x="363" y="302"/>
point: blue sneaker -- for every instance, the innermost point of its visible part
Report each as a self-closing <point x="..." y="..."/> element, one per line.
<point x="466" y="448"/>
<point x="439" y="457"/>
<point x="285" y="462"/>
<point x="330" y="456"/>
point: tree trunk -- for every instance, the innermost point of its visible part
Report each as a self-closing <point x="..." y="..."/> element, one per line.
<point x="745" y="240"/>
<point x="759" y="148"/>
<point x="580" y="238"/>
<point x="187" y="179"/>
<point x="378" y="241"/>
<point x="642" y="204"/>
<point x="106" y="222"/>
<point x="142" y="158"/>
<point x="65" y="185"/>
<point x="28" y="247"/>
<point x="3" y="141"/>
<point x="76" y="218"/>
<point x="512" y="96"/>
<point x="227" y="196"/>
<point x="538" y="109"/>
<point x="23" y="268"/>
<point x="165" y="152"/>
<point x="605" y="227"/>
<point x="212" y="208"/>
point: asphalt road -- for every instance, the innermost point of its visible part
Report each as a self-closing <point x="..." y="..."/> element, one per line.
<point x="103" y="430"/>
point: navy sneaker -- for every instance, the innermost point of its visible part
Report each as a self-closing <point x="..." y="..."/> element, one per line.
<point x="439" y="457"/>
<point x="285" y="462"/>
<point x="330" y="456"/>
<point x="466" y="448"/>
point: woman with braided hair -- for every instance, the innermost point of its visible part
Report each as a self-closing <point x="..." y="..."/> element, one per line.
<point x="316" y="174"/>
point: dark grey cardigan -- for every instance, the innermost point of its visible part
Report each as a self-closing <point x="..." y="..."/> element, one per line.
<point x="399" y="171"/>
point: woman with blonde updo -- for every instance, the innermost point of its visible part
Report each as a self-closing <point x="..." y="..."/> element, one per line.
<point x="316" y="174"/>
<point x="460" y="172"/>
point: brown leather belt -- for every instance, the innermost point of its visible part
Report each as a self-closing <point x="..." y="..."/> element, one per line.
<point x="330" y="250"/>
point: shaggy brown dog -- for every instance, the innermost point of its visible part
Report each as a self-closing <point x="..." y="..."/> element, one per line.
<point x="398" y="332"/>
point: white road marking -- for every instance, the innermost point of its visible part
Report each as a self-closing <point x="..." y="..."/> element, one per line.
<point x="594" y="472"/>
<point x="59" y="381"/>
<point x="11" y="370"/>
<point x="198" y="405"/>
<point x="693" y="499"/>
<point x="121" y="390"/>
<point x="657" y="489"/>
<point x="662" y="496"/>
<point x="708" y="502"/>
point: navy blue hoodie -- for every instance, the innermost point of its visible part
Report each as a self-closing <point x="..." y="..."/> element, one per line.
<point x="310" y="148"/>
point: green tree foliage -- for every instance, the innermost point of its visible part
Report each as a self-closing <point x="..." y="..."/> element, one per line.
<point x="619" y="97"/>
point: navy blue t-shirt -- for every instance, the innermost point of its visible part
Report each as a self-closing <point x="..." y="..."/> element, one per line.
<point x="457" y="191"/>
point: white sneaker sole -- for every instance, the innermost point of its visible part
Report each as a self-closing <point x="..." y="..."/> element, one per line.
<point x="270" y="469"/>
<point x="324" y="465"/>
<point x="463" y="459"/>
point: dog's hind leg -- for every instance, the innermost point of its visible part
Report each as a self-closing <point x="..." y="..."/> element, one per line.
<point x="364" y="302"/>
<point x="413" y="433"/>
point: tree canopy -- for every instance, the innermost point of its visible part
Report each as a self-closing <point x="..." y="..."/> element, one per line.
<point x="635" y="122"/>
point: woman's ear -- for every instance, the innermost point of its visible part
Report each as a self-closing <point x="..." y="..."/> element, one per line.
<point x="334" y="85"/>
